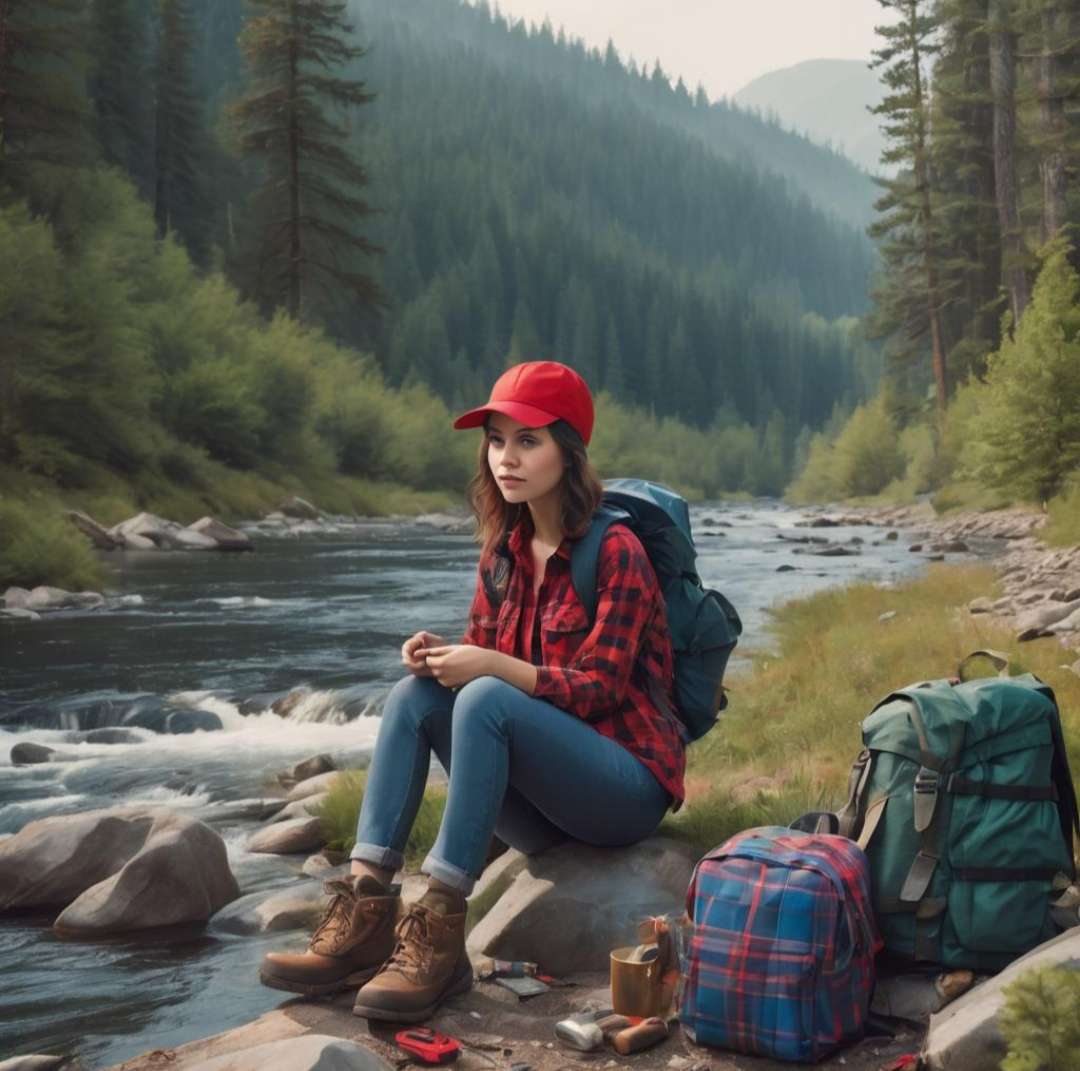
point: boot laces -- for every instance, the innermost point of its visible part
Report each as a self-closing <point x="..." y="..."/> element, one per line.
<point x="336" y="922"/>
<point x="415" y="944"/>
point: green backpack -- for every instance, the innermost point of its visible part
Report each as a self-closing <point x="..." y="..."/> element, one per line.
<point x="963" y="801"/>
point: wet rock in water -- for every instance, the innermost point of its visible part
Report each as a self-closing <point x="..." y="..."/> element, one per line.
<point x="17" y="613"/>
<point x="162" y="533"/>
<point x="100" y="536"/>
<point x="43" y="599"/>
<point x="892" y="535"/>
<point x="35" y="1063"/>
<point x="161" y="717"/>
<point x="300" y="508"/>
<point x="259" y="703"/>
<point x="358" y="702"/>
<point x="966" y="1035"/>
<point x="950" y="546"/>
<point x="785" y="568"/>
<point x="117" y="870"/>
<point x="28" y="753"/>
<point x="288" y="838"/>
<point x="818" y="522"/>
<point x="311" y="767"/>
<point x="569" y="906"/>
<point x="981" y="605"/>
<point x="835" y="551"/>
<point x="302" y="808"/>
<point x="935" y="557"/>
<point x="225" y="537"/>
<point x="314" y="786"/>
<point x="312" y="1052"/>
<point x="297" y="906"/>
<point x="112" y="736"/>
<point x="915" y="548"/>
<point x="325" y="864"/>
<point x="284" y="706"/>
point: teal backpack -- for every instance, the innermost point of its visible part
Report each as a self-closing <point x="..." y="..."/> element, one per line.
<point x="963" y="801"/>
<point x="704" y="626"/>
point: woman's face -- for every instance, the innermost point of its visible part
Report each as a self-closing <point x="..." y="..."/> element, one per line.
<point x="527" y="463"/>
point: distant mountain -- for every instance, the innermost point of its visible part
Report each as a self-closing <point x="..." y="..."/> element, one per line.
<point x="826" y="99"/>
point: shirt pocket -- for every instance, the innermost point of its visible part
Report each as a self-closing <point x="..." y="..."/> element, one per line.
<point x="566" y="626"/>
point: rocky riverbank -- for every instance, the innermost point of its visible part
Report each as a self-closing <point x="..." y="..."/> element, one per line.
<point x="1040" y="585"/>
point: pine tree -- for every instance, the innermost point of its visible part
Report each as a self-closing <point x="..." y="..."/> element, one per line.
<point x="116" y="89"/>
<point x="179" y="140"/>
<point x="1003" y="32"/>
<point x="43" y="109"/>
<point x="309" y="198"/>
<point x="910" y="302"/>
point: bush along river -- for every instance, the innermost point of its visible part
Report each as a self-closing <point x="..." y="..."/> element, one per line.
<point x="206" y="674"/>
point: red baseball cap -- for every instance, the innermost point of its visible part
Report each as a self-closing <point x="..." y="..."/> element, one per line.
<point x="537" y="393"/>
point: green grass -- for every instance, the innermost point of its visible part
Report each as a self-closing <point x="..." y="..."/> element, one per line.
<point x="794" y="716"/>
<point x="1063" y="528"/>
<point x="341" y="809"/>
<point x="38" y="545"/>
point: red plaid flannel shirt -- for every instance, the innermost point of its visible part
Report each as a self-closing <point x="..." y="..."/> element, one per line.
<point x="619" y="674"/>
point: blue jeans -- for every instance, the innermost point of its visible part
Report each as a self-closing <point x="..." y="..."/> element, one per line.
<point x="518" y="767"/>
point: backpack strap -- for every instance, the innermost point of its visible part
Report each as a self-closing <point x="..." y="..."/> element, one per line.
<point x="586" y="554"/>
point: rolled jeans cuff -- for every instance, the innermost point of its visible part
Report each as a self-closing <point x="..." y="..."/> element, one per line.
<point x="448" y="874"/>
<point x="382" y="857"/>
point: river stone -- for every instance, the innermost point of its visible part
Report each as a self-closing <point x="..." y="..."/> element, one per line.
<point x="137" y="542"/>
<point x="97" y="534"/>
<point x="312" y="1052"/>
<point x="288" y="838"/>
<point x="15" y="598"/>
<point x="965" y="1036"/>
<point x="225" y="537"/>
<point x="1034" y="623"/>
<point x="44" y="597"/>
<point x="301" y="808"/>
<point x="118" y="870"/>
<point x="314" y="786"/>
<point x="32" y="1063"/>
<point x="113" y="736"/>
<point x="28" y="753"/>
<point x="570" y="905"/>
<point x="326" y="864"/>
<point x="17" y="613"/>
<point x="300" y="508"/>
<point x="311" y="767"/>
<point x="296" y="907"/>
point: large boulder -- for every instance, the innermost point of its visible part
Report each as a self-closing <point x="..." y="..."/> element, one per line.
<point x="966" y="1036"/>
<point x="27" y="753"/>
<point x="163" y="534"/>
<point x="225" y="537"/>
<point x="306" y="768"/>
<point x="302" y="808"/>
<point x="569" y="906"/>
<point x="288" y="838"/>
<point x="116" y="871"/>
<point x="1034" y="623"/>
<point x="312" y="1052"/>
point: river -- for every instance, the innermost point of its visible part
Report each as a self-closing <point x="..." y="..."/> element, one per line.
<point x="213" y="640"/>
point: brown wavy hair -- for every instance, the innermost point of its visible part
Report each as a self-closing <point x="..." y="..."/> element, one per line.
<point x="581" y="492"/>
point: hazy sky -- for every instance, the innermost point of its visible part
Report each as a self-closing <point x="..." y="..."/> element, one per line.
<point x="721" y="43"/>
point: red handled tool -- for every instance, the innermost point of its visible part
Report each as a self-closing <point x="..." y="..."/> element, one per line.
<point x="428" y="1047"/>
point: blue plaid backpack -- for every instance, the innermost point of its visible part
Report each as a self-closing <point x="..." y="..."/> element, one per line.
<point x="781" y="958"/>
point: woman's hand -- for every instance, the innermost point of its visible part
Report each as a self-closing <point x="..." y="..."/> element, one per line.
<point x="411" y="652"/>
<point x="458" y="663"/>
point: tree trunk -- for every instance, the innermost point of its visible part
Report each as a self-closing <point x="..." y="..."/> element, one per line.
<point x="1003" y="90"/>
<point x="294" y="178"/>
<point x="930" y="267"/>
<point x="1052" y="125"/>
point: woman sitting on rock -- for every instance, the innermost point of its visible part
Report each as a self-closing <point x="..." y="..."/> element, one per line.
<point x="549" y="727"/>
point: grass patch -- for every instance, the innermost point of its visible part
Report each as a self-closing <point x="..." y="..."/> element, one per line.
<point x="341" y="809"/>
<point x="38" y="545"/>
<point x="795" y="716"/>
<point x="1063" y="528"/>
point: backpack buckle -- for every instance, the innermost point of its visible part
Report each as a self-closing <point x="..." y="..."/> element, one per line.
<point x="925" y="798"/>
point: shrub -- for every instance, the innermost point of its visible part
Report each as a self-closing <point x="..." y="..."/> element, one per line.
<point x="40" y="546"/>
<point x="1041" y="1021"/>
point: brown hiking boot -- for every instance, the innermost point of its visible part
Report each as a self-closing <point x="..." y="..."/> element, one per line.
<point x="429" y="965"/>
<point x="354" y="939"/>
